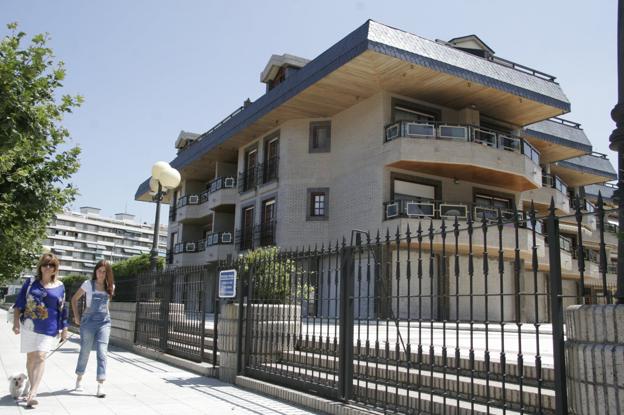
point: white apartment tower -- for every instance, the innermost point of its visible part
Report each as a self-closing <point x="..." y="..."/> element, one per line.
<point x="80" y="239"/>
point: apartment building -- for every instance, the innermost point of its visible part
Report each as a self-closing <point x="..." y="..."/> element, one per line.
<point x="381" y="130"/>
<point x="81" y="239"/>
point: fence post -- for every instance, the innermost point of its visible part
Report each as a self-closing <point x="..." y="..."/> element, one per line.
<point x="346" y="322"/>
<point x="165" y="298"/>
<point x="556" y="311"/>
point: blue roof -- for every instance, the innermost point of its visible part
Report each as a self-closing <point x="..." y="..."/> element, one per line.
<point x="392" y="42"/>
<point x="559" y="133"/>
<point x="591" y="164"/>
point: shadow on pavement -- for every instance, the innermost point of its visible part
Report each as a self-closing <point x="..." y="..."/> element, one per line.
<point x="247" y="400"/>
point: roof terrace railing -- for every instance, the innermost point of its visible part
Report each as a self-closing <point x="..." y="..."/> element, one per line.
<point x="462" y="132"/>
<point x="217" y="126"/>
<point x="566" y="122"/>
<point x="521" y="68"/>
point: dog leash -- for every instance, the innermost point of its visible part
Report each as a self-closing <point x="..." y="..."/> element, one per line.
<point x="61" y="343"/>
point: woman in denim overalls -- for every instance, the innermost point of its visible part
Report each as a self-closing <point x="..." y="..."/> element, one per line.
<point x="95" y="325"/>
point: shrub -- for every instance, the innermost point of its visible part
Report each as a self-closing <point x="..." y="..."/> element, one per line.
<point x="278" y="279"/>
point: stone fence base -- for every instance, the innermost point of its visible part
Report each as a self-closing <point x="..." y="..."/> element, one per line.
<point x="122" y="324"/>
<point x="595" y="359"/>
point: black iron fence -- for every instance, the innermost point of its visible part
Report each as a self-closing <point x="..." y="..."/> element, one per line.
<point x="433" y="316"/>
<point x="175" y="312"/>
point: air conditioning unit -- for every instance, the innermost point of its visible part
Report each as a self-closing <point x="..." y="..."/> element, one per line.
<point x="419" y="209"/>
<point x="193" y="199"/>
<point x="226" y="238"/>
<point x="190" y="247"/>
<point x="229" y="182"/>
<point x="392" y="210"/>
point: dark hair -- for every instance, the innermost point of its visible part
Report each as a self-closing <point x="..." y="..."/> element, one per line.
<point x="45" y="260"/>
<point x="109" y="281"/>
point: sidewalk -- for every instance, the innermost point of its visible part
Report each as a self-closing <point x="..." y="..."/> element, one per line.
<point x="136" y="386"/>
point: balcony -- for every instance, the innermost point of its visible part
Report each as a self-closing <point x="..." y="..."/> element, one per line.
<point x="425" y="213"/>
<point x="216" y="246"/>
<point x="220" y="192"/>
<point x="251" y="237"/>
<point x="463" y="152"/>
<point x="589" y="220"/>
<point x="553" y="188"/>
<point x="259" y="175"/>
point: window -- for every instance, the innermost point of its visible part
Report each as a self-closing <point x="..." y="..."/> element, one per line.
<point x="487" y="206"/>
<point x="407" y="111"/>
<point x="320" y="137"/>
<point x="246" y="239"/>
<point x="413" y="198"/>
<point x="318" y="204"/>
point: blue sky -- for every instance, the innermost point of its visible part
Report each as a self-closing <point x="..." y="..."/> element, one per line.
<point x="148" y="69"/>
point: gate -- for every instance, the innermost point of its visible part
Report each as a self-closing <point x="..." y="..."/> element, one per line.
<point x="439" y="316"/>
<point x="172" y="310"/>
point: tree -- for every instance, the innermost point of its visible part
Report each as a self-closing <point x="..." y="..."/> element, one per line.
<point x="34" y="169"/>
<point x="131" y="267"/>
<point x="277" y="277"/>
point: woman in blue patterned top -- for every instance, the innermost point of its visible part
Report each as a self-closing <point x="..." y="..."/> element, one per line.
<point x="40" y="316"/>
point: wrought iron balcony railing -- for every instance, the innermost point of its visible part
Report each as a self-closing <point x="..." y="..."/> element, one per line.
<point x="200" y="245"/>
<point x="213" y="186"/>
<point x="438" y="209"/>
<point x="254" y="236"/>
<point x="260" y="174"/>
<point x="459" y="132"/>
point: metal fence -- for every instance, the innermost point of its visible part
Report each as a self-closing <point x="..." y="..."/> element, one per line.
<point x="432" y="316"/>
<point x="176" y="314"/>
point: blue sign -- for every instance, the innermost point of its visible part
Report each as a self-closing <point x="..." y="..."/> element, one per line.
<point x="227" y="283"/>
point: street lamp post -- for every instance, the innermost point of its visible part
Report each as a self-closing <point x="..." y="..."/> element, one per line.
<point x="164" y="178"/>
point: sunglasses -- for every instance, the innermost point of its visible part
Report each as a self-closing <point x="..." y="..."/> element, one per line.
<point x="48" y="265"/>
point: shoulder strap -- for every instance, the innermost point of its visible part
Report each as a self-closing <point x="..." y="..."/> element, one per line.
<point x="92" y="286"/>
<point x="32" y="280"/>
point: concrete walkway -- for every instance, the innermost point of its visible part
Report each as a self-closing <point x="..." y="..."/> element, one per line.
<point x="136" y="386"/>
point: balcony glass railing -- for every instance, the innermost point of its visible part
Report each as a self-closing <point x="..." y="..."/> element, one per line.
<point x="467" y="133"/>
<point x="213" y="186"/>
<point x="200" y="245"/>
<point x="585" y="205"/>
<point x="554" y="182"/>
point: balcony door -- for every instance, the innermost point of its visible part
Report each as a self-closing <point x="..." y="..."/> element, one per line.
<point x="247" y="228"/>
<point x="271" y="158"/>
<point x="267" y="227"/>
<point x="251" y="159"/>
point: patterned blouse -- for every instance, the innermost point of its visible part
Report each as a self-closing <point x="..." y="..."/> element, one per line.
<point x="44" y="306"/>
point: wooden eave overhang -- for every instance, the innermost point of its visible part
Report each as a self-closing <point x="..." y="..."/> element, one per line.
<point x="374" y="58"/>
